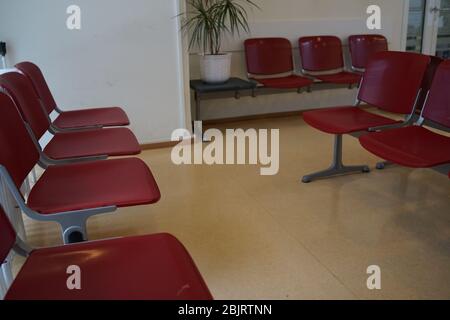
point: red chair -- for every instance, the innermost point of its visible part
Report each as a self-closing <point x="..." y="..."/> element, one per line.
<point x="155" y="267"/>
<point x="426" y="85"/>
<point x="270" y="63"/>
<point x="391" y="83"/>
<point x="88" y="118"/>
<point x="322" y="58"/>
<point x="363" y="47"/>
<point x="69" y="194"/>
<point x="71" y="146"/>
<point x="415" y="146"/>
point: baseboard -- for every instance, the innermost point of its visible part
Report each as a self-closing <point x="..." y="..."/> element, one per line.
<point x="159" y="145"/>
<point x="162" y="144"/>
<point x="253" y="117"/>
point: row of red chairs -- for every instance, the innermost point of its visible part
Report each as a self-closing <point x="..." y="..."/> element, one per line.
<point x="80" y="181"/>
<point x="393" y="82"/>
<point x="270" y="60"/>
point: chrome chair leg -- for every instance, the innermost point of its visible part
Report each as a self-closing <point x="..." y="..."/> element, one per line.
<point x="337" y="167"/>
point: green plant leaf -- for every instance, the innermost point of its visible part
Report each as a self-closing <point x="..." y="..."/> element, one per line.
<point x="209" y="20"/>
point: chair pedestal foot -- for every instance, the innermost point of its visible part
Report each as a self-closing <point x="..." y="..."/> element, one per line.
<point x="383" y="165"/>
<point x="335" y="171"/>
<point x="337" y="168"/>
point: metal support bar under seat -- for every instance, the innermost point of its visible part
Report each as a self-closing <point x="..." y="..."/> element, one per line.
<point x="59" y="110"/>
<point x="409" y="120"/>
<point x="7" y="274"/>
<point x="53" y="129"/>
<point x="337" y="166"/>
<point x="45" y="161"/>
<point x="73" y="223"/>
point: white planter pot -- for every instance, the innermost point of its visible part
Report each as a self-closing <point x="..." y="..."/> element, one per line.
<point x="215" y="68"/>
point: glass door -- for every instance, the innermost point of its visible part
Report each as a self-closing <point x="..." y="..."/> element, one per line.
<point x="428" y="27"/>
<point x="443" y="32"/>
<point x="416" y="26"/>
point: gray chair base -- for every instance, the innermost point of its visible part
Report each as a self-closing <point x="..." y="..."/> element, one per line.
<point x="337" y="167"/>
<point x="383" y="165"/>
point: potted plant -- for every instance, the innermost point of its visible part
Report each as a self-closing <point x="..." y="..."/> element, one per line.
<point x="207" y="22"/>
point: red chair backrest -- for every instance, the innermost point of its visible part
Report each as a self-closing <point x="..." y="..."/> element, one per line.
<point x="321" y="53"/>
<point x="392" y="80"/>
<point x="362" y="47"/>
<point x="37" y="78"/>
<point x="7" y="236"/>
<point x="268" y="56"/>
<point x="18" y="153"/>
<point x="22" y="92"/>
<point x="437" y="108"/>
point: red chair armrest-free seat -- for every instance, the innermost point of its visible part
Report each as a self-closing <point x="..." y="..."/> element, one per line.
<point x="65" y="146"/>
<point x="391" y="83"/>
<point x="77" y="119"/>
<point x="270" y="63"/>
<point x="416" y="146"/>
<point x="363" y="47"/>
<point x="412" y="146"/>
<point x="72" y="193"/>
<point x="322" y="58"/>
<point x="425" y="88"/>
<point x="155" y="267"/>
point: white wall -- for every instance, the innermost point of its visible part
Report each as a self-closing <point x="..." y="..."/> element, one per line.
<point x="127" y="53"/>
<point x="292" y="19"/>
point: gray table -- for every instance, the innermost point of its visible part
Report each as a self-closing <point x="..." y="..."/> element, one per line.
<point x="235" y="85"/>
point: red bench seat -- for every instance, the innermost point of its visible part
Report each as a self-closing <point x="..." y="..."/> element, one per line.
<point x="154" y="267"/>
<point x="103" y="117"/>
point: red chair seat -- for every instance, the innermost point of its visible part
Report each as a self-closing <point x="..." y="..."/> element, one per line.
<point x="290" y="82"/>
<point x="343" y="120"/>
<point x="155" y="267"/>
<point x="98" y="142"/>
<point x="107" y="117"/>
<point x="121" y="183"/>
<point x="340" y="78"/>
<point x="414" y="147"/>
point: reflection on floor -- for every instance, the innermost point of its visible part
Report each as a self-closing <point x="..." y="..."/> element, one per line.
<point x="257" y="237"/>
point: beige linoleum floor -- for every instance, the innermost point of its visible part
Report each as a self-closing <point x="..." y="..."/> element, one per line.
<point x="257" y="237"/>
